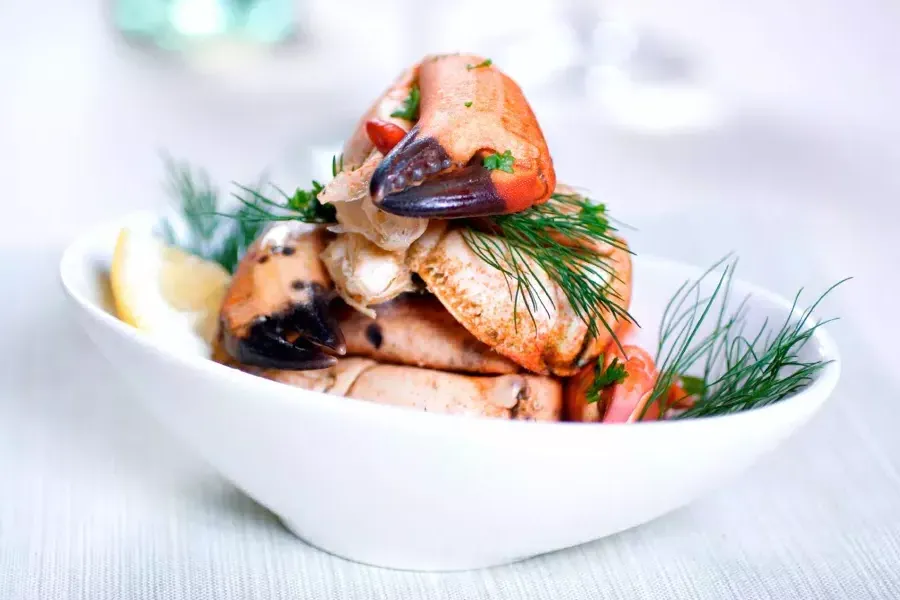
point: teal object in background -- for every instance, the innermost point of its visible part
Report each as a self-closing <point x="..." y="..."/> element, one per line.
<point x="178" y="23"/>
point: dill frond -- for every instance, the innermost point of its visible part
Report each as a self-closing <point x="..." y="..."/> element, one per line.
<point x="215" y="233"/>
<point x="196" y="199"/>
<point x="239" y="234"/>
<point x="303" y="205"/>
<point x="604" y="377"/>
<point x="558" y="237"/>
<point x="739" y="371"/>
<point x="199" y="205"/>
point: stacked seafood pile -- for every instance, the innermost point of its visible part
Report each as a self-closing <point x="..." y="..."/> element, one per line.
<point x="393" y="303"/>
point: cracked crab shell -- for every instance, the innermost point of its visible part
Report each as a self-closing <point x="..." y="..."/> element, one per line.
<point x="348" y="192"/>
<point x="555" y="341"/>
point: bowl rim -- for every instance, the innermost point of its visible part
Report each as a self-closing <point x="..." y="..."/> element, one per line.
<point x="73" y="258"/>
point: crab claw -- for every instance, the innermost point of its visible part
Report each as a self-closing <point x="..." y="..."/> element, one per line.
<point x="276" y="312"/>
<point x="476" y="150"/>
<point x="266" y="346"/>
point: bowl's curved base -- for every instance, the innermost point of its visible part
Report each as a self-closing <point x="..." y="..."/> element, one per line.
<point x="395" y="563"/>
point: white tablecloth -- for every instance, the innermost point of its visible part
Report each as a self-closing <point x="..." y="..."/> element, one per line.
<point x="97" y="501"/>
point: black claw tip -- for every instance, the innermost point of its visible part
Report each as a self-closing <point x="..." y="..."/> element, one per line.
<point x="263" y="348"/>
<point x="467" y="192"/>
<point x="311" y="317"/>
<point x="407" y="165"/>
<point x="270" y="343"/>
<point x="318" y="328"/>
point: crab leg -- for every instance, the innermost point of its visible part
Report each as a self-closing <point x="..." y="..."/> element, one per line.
<point x="512" y="396"/>
<point x="451" y="163"/>
<point x="521" y="397"/>
<point x="415" y="329"/>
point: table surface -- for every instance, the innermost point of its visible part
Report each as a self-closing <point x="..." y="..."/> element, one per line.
<point x="801" y="181"/>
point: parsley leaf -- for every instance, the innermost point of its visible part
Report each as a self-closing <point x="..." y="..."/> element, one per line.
<point x="485" y="63"/>
<point x="410" y="110"/>
<point x="468" y="104"/>
<point x="308" y="208"/>
<point x="693" y="386"/>
<point x="605" y="377"/>
<point x="502" y="162"/>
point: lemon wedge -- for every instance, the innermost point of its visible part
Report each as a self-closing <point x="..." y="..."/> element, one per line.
<point x="166" y="292"/>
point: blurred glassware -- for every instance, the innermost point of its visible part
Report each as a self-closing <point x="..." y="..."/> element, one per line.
<point x="638" y="79"/>
<point x="531" y="44"/>
<point x="646" y="84"/>
<point x="179" y="24"/>
<point x="585" y="55"/>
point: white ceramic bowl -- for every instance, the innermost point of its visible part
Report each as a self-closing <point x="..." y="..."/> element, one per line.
<point x="397" y="488"/>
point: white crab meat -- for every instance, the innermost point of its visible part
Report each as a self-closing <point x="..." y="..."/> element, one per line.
<point x="348" y="192"/>
<point x="365" y="274"/>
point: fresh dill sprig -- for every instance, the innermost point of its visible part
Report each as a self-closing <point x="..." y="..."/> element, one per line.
<point x="303" y="206"/>
<point x="605" y="377"/>
<point x="739" y="371"/>
<point x="410" y="108"/>
<point x="199" y="205"/>
<point x="215" y="233"/>
<point x="558" y="237"/>
<point x="194" y="194"/>
<point x="238" y="236"/>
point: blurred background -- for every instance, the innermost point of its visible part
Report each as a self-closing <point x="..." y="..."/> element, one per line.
<point x="635" y="97"/>
<point x="653" y="104"/>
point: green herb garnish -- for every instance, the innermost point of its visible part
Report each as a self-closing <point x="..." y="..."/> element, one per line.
<point x="410" y="109"/>
<point x="740" y="372"/>
<point x="237" y="238"/>
<point x="605" y="377"/>
<point x="197" y="201"/>
<point x="337" y="164"/>
<point x="467" y="104"/>
<point x="485" y="63"/>
<point x="525" y="242"/>
<point x="693" y="386"/>
<point x="206" y="234"/>
<point x="499" y="162"/>
<point x="215" y="233"/>
<point x="303" y="206"/>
